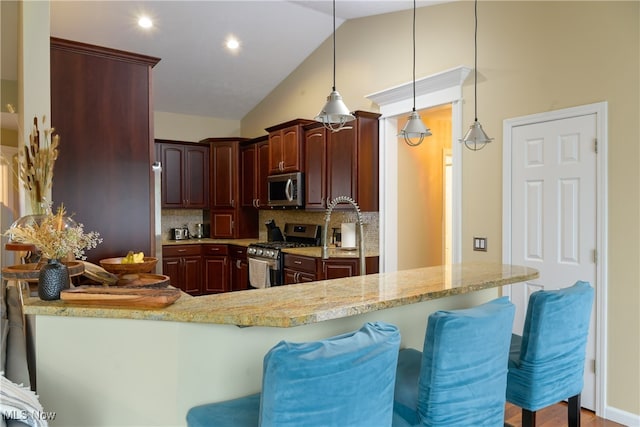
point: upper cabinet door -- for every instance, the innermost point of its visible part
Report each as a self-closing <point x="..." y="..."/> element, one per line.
<point x="185" y="175"/>
<point x="224" y="175"/>
<point x="285" y="147"/>
<point x="292" y="159"/>
<point x="315" y="168"/>
<point x="275" y="152"/>
<point x="262" y="187"/>
<point x="172" y="158"/>
<point x="197" y="177"/>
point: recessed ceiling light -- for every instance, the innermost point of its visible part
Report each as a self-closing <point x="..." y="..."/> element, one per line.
<point x="232" y="43"/>
<point x="145" y="22"/>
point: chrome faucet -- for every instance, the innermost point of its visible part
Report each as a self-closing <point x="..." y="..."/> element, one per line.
<point x="325" y="248"/>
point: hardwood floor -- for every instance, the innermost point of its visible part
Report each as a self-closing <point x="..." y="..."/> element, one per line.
<point x="555" y="416"/>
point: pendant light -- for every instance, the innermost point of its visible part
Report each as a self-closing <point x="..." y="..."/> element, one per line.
<point x="335" y="114"/>
<point x="475" y="138"/>
<point x="414" y="130"/>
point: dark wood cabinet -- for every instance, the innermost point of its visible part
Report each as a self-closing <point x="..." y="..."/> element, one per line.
<point x="299" y="269"/>
<point x="343" y="163"/>
<point x="316" y="167"/>
<point x="228" y="217"/>
<point x="216" y="268"/>
<point x="185" y="174"/>
<point x="183" y="265"/>
<point x="336" y="269"/>
<point x="101" y="108"/>
<point x="302" y="269"/>
<point x="254" y="170"/>
<point x="239" y="266"/>
<point x="286" y="153"/>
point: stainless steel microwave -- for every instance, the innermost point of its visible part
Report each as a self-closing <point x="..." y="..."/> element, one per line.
<point x="286" y="190"/>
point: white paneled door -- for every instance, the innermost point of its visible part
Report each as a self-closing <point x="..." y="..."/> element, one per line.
<point x="553" y="214"/>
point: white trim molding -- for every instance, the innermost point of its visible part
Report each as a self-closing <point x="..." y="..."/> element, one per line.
<point x="600" y="109"/>
<point x="438" y="89"/>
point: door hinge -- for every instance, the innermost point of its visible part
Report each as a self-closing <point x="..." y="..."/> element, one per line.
<point x="595" y="256"/>
<point x="593" y="365"/>
<point x="595" y="145"/>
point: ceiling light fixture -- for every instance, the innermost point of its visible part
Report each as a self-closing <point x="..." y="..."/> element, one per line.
<point x="414" y="130"/>
<point x="335" y="114"/>
<point x="145" y="22"/>
<point x="232" y="43"/>
<point x="475" y="138"/>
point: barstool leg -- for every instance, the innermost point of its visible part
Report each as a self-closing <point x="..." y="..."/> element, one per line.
<point x="573" y="415"/>
<point x="528" y="418"/>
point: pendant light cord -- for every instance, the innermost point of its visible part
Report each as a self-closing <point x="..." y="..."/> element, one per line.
<point x="334" y="45"/>
<point x="475" y="67"/>
<point x="414" y="55"/>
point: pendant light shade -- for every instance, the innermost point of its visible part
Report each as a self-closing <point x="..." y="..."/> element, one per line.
<point x="335" y="114"/>
<point x="475" y="139"/>
<point x="414" y="130"/>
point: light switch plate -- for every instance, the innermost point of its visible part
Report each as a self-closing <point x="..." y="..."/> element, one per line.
<point x="480" y="244"/>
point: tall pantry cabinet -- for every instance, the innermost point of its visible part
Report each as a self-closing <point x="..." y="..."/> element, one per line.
<point x="102" y="109"/>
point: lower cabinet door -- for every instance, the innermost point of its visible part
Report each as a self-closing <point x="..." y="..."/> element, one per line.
<point x="337" y="269"/>
<point x="192" y="275"/>
<point x="216" y="272"/>
<point x="293" y="276"/>
<point x="239" y="274"/>
<point x="185" y="273"/>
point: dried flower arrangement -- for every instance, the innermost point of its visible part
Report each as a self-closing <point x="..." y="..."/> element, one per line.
<point x="35" y="163"/>
<point x="54" y="237"/>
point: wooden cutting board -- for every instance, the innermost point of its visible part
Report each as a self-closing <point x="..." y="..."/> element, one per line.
<point x="121" y="297"/>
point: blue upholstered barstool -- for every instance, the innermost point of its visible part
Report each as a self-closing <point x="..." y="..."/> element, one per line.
<point x="460" y="377"/>
<point x="347" y="380"/>
<point x="546" y="363"/>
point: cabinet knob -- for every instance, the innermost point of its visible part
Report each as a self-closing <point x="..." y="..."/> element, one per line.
<point x="238" y="264"/>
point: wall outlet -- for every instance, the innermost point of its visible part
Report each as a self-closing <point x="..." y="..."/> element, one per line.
<point x="480" y="244"/>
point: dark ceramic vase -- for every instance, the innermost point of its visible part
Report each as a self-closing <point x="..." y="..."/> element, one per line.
<point x="53" y="278"/>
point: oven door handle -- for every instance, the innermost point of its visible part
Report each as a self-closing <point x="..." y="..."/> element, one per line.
<point x="288" y="190"/>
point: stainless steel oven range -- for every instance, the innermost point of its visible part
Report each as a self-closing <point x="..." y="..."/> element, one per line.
<point x="266" y="260"/>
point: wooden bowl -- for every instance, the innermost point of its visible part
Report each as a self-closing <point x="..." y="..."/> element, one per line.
<point x="115" y="265"/>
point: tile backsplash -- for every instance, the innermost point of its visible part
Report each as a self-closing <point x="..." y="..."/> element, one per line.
<point x="281" y="217"/>
<point x="172" y="218"/>
<point x="176" y="218"/>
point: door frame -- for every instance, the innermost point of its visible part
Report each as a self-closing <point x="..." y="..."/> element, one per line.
<point x="600" y="109"/>
<point x="437" y="89"/>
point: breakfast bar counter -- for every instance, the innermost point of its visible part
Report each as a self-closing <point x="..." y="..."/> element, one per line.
<point x="294" y="305"/>
<point x="100" y="366"/>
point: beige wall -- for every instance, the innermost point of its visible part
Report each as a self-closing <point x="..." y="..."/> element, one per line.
<point x="533" y="57"/>
<point x="182" y="127"/>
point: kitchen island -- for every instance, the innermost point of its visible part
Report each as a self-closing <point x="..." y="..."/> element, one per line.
<point x="119" y="366"/>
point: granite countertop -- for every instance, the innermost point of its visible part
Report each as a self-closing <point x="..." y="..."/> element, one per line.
<point x="293" y="305"/>
<point x="237" y="242"/>
<point x="312" y="251"/>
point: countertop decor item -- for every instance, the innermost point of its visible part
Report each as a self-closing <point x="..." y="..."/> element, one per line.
<point x="53" y="278"/>
<point x="55" y="236"/>
<point x="36" y="161"/>
<point x="115" y="265"/>
<point x="121" y="296"/>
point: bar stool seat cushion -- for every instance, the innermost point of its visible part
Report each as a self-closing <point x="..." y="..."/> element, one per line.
<point x="459" y="379"/>
<point x="346" y="380"/>
<point x="546" y="363"/>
